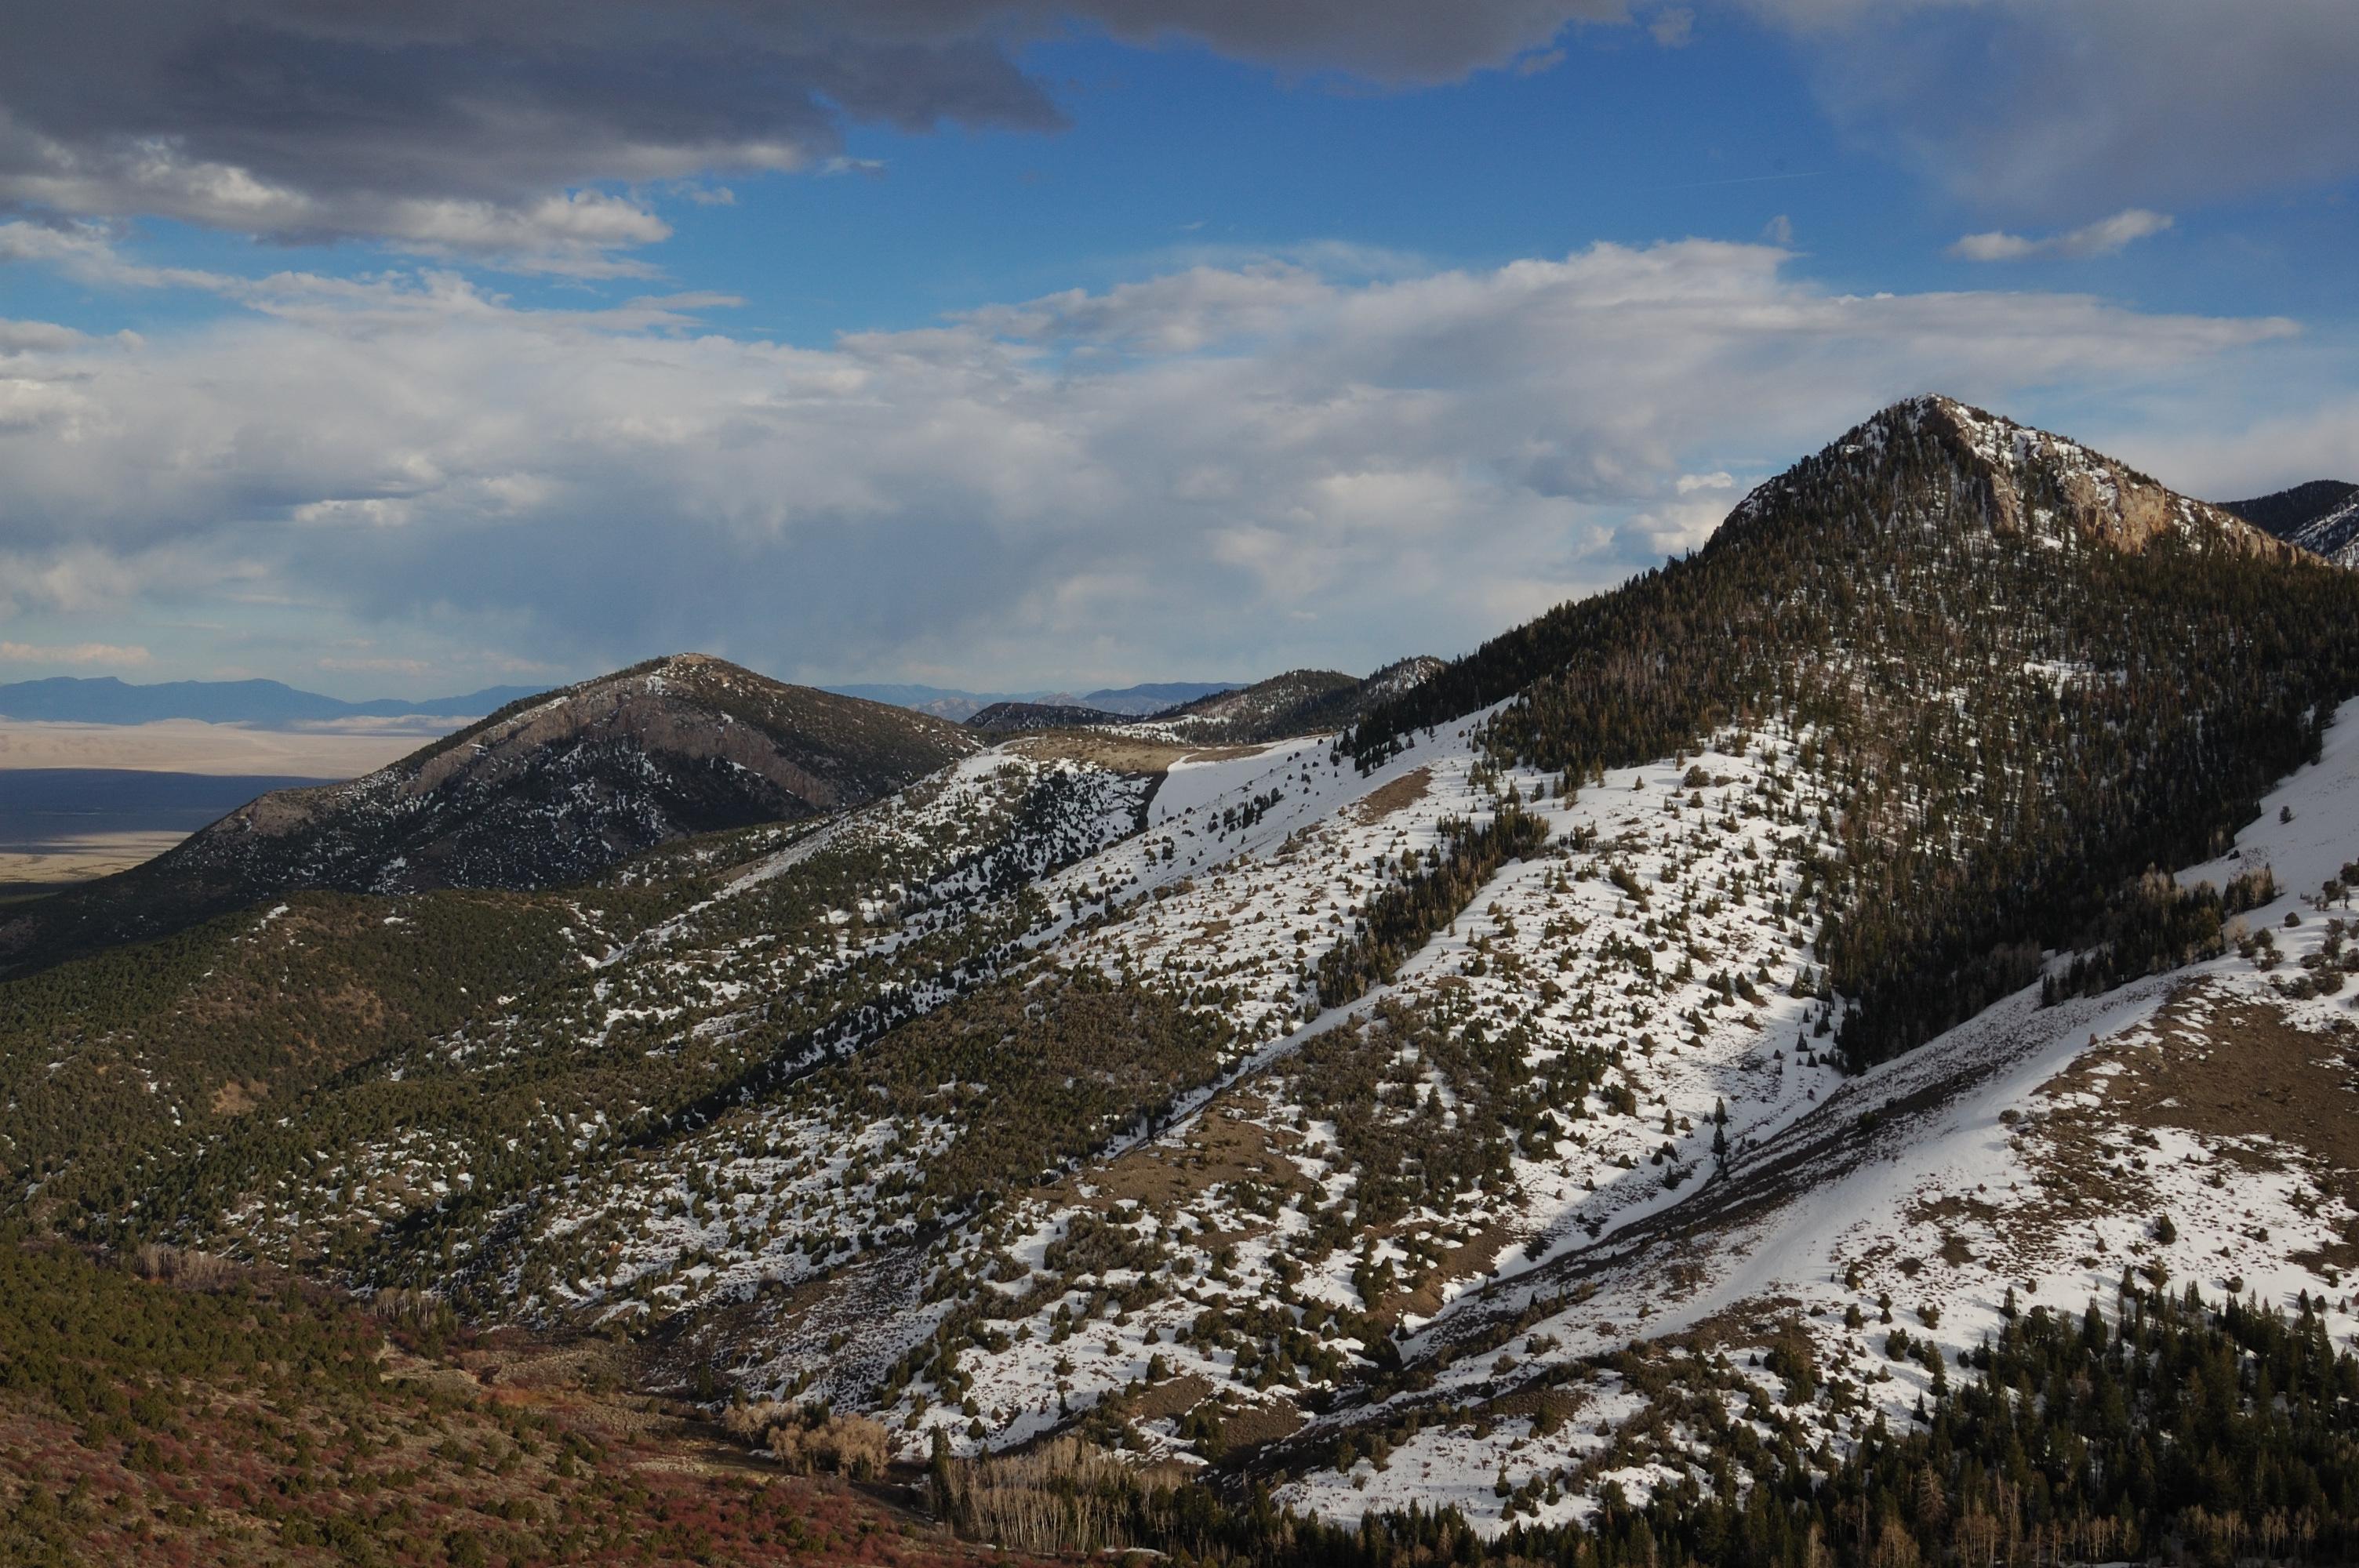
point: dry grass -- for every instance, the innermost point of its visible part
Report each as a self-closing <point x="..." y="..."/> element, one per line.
<point x="1471" y="1259"/>
<point x="1120" y="753"/>
<point x="1219" y="1148"/>
<point x="2237" y="1075"/>
<point x="1403" y="792"/>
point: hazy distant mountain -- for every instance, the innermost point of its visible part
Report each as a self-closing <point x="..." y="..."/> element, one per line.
<point x="1155" y="697"/>
<point x="2323" y="515"/>
<point x="959" y="707"/>
<point x="102" y="700"/>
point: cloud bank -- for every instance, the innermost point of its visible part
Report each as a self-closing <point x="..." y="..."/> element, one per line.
<point x="477" y="130"/>
<point x="527" y="133"/>
<point x="1247" y="466"/>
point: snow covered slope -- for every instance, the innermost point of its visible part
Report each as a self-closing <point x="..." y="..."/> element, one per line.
<point x="2322" y="516"/>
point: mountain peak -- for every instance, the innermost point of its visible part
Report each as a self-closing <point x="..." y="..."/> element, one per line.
<point x="552" y="788"/>
<point x="2015" y="479"/>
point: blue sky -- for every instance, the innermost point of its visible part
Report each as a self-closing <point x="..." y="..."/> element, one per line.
<point x="992" y="347"/>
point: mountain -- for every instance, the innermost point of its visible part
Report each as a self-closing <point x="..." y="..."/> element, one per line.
<point x="1009" y="715"/>
<point x="105" y="700"/>
<point x="1835" y="1051"/>
<point x="1297" y="702"/>
<point x="1130" y="701"/>
<point x="2322" y="516"/>
<point x="548" y="789"/>
<point x="1153" y="696"/>
<point x="941" y="702"/>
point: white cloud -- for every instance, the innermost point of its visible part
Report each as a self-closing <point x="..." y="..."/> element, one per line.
<point x="1257" y="466"/>
<point x="2102" y="238"/>
<point x="71" y="653"/>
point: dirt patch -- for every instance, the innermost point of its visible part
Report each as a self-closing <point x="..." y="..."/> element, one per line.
<point x="236" y="1098"/>
<point x="1117" y="753"/>
<point x="1220" y="1148"/>
<point x="1176" y="1397"/>
<point x="1953" y="1206"/>
<point x="2262" y="1094"/>
<point x="1471" y="1259"/>
<point x="1256" y="1424"/>
<point x="1403" y="791"/>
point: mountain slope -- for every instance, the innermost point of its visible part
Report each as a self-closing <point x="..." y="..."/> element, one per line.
<point x="1519" y="1109"/>
<point x="2033" y="670"/>
<point x="1012" y="716"/>
<point x="2321" y="516"/>
<point x="1153" y="697"/>
<point x="1299" y="702"/>
<point x="549" y="789"/>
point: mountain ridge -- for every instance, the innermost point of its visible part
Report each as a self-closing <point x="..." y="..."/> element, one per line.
<point x="2322" y="516"/>
<point x="553" y="786"/>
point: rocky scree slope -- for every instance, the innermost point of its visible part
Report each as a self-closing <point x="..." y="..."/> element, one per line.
<point x="548" y="790"/>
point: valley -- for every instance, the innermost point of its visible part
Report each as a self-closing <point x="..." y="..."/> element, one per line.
<point x="1688" y="1071"/>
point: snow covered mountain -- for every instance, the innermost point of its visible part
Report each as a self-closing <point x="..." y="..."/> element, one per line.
<point x="1661" y="1076"/>
<point x="2322" y="516"/>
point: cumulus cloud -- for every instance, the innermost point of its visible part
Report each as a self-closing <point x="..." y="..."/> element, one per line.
<point x="2102" y="238"/>
<point x="1262" y="466"/>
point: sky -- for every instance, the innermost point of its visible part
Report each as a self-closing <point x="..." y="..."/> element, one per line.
<point x="409" y="348"/>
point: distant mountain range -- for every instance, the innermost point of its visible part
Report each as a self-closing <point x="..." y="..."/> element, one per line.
<point x="1127" y="702"/>
<point x="102" y="700"/>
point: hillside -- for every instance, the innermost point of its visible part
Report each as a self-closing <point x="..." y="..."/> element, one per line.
<point x="187" y="1411"/>
<point x="1018" y="716"/>
<point x="549" y="789"/>
<point x="1298" y="702"/>
<point x="1656" y="1088"/>
<point x="2321" y="516"/>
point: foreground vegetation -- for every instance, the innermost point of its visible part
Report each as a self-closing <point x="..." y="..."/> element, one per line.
<point x="173" y="1409"/>
<point x="2175" y="1431"/>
